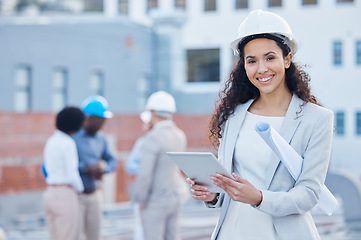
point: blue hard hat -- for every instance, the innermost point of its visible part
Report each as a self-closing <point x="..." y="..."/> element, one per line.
<point x="97" y="106"/>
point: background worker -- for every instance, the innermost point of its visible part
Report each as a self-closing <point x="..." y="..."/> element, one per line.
<point x="95" y="160"/>
<point x="160" y="188"/>
<point x="131" y="167"/>
<point x="132" y="164"/>
<point x="60" y="199"/>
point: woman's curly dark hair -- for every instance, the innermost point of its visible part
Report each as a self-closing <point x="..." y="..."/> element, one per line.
<point x="238" y="89"/>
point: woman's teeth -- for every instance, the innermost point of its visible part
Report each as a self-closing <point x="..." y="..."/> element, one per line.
<point x="264" y="79"/>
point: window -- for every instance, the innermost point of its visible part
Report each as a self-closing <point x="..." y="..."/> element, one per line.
<point x="97" y="84"/>
<point x="59" y="89"/>
<point x="203" y="65"/>
<point x="240" y="4"/>
<point x="358" y="52"/>
<point x="309" y="2"/>
<point x="152" y="4"/>
<point x="180" y="4"/>
<point x="92" y="5"/>
<point x="358" y="123"/>
<point x="275" y="3"/>
<point x="340" y="123"/>
<point x="337" y="53"/>
<point x="210" y="5"/>
<point x="124" y="7"/>
<point x="22" y="95"/>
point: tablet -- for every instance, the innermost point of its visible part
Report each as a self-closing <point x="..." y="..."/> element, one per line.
<point x="200" y="166"/>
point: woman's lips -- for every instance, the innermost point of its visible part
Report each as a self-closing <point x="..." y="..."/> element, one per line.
<point x="264" y="79"/>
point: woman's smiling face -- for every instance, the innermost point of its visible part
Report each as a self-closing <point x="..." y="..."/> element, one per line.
<point x="265" y="65"/>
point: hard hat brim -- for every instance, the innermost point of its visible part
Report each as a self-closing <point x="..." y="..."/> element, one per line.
<point x="291" y="42"/>
<point x="108" y="114"/>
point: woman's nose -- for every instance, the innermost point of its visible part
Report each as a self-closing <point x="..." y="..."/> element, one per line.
<point x="262" y="67"/>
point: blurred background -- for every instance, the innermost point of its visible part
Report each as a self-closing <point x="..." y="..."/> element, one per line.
<point x="55" y="53"/>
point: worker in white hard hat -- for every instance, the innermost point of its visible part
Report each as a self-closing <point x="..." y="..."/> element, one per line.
<point x="131" y="167"/>
<point x="263" y="200"/>
<point x="160" y="188"/>
<point x="95" y="160"/>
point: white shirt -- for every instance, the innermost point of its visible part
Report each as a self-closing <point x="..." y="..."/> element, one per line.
<point x="250" y="161"/>
<point x="61" y="161"/>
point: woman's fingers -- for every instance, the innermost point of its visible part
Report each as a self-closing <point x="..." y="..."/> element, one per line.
<point x="231" y="186"/>
<point x="239" y="179"/>
<point x="195" y="186"/>
<point x="200" y="192"/>
<point x="203" y="196"/>
<point x="238" y="189"/>
<point x="190" y="181"/>
<point x="223" y="181"/>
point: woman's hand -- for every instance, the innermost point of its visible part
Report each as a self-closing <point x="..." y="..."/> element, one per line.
<point x="200" y="192"/>
<point x="238" y="189"/>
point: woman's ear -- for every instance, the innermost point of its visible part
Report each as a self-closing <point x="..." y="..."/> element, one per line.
<point x="288" y="60"/>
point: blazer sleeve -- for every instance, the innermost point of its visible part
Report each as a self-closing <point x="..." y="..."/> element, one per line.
<point x="148" y="160"/>
<point x="307" y="189"/>
<point x="221" y="196"/>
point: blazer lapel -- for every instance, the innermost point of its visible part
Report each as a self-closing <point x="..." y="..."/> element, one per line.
<point x="230" y="135"/>
<point x="232" y="131"/>
<point x="288" y="129"/>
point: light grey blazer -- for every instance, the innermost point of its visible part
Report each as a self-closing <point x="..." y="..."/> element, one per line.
<point x="308" y="129"/>
<point x="159" y="178"/>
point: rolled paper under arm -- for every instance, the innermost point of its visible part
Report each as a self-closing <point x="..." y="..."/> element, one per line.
<point x="293" y="162"/>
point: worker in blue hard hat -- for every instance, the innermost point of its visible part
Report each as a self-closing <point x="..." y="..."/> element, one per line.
<point x="95" y="160"/>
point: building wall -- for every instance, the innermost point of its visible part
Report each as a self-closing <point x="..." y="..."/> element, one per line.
<point x="135" y="59"/>
<point x="119" y="49"/>
<point x="24" y="136"/>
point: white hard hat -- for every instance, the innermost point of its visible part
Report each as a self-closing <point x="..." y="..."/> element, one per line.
<point x="161" y="101"/>
<point x="264" y="22"/>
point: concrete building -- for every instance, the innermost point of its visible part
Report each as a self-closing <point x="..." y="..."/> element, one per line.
<point x="51" y="62"/>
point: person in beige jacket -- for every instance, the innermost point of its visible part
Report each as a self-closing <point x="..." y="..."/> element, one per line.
<point x="160" y="189"/>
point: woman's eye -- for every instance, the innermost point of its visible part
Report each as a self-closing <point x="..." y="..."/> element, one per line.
<point x="270" y="58"/>
<point x="251" y="61"/>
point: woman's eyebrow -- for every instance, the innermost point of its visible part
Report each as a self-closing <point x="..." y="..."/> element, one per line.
<point x="250" y="57"/>
<point x="270" y="52"/>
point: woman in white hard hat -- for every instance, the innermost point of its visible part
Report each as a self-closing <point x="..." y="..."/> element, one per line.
<point x="263" y="201"/>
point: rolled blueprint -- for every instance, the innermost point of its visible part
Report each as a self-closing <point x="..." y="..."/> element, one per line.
<point x="293" y="162"/>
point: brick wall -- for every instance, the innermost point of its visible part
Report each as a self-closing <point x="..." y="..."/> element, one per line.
<point x="23" y="137"/>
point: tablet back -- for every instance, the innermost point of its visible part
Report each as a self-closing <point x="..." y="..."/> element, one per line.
<point x="200" y="166"/>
